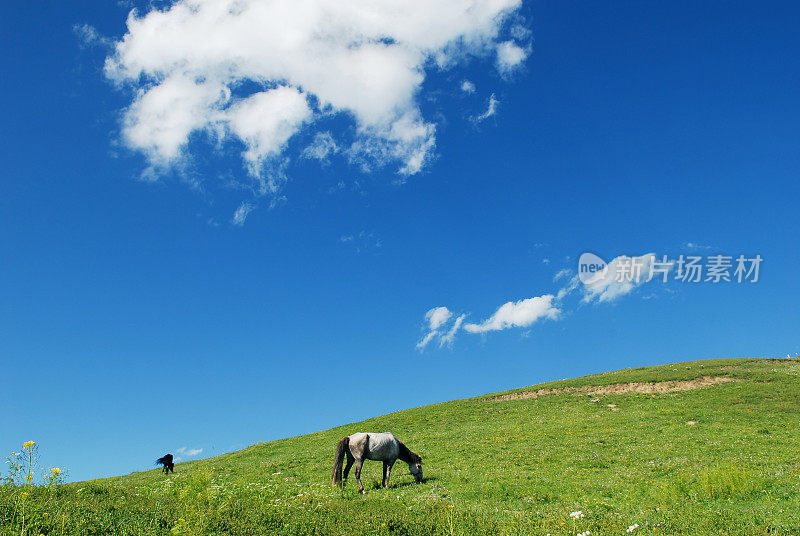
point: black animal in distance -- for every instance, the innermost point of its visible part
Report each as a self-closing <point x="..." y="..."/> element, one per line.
<point x="166" y="462"/>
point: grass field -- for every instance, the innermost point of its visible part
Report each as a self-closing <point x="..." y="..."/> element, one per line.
<point x="718" y="459"/>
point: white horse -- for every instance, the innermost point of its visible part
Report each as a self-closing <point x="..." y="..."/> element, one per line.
<point x="384" y="447"/>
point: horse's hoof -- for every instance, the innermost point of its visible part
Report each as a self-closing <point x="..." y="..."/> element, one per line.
<point x="363" y="492"/>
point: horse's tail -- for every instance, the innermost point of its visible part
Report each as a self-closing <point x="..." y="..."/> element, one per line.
<point x="338" y="460"/>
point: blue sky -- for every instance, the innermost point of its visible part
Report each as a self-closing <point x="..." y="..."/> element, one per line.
<point x="141" y="316"/>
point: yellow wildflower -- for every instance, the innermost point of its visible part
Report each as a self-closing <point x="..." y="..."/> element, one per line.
<point x="28" y="445"/>
<point x="56" y="471"/>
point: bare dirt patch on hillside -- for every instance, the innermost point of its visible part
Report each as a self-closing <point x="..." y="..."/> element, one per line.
<point x="645" y="388"/>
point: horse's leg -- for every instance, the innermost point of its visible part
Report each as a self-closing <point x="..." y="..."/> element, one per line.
<point x="350" y="461"/>
<point x="388" y="470"/>
<point x="359" y="464"/>
<point x="385" y="477"/>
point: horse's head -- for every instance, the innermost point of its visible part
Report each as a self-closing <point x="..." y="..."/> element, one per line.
<point x="416" y="468"/>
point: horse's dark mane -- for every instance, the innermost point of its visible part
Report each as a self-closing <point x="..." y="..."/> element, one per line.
<point x="406" y="455"/>
<point x="166" y="462"/>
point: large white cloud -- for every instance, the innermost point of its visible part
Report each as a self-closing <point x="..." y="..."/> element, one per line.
<point x="261" y="70"/>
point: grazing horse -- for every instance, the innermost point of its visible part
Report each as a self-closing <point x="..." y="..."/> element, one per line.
<point x="166" y="462"/>
<point x="384" y="447"/>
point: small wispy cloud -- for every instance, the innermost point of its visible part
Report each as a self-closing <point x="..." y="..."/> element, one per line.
<point x="561" y="274"/>
<point x="188" y="452"/>
<point x="362" y="241"/>
<point x="436" y="318"/>
<point x="491" y="110"/>
<point x="607" y="286"/>
<point x="468" y="87"/>
<point x="448" y="338"/>
<point x="510" y="57"/>
<point x="695" y="245"/>
<point x="241" y="213"/>
<point x="321" y="148"/>
<point x="88" y="36"/>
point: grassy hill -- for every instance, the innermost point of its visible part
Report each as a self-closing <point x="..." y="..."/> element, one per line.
<point x="715" y="450"/>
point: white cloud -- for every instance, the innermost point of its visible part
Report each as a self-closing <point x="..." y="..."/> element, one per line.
<point x="607" y="285"/>
<point x="491" y="109"/>
<point x="241" y="213"/>
<point x="362" y="241"/>
<point x="437" y="316"/>
<point x="322" y="147"/>
<point x="161" y="119"/>
<point x="565" y="272"/>
<point x="509" y="56"/>
<point x="521" y="313"/>
<point x="448" y="338"/>
<point x="193" y="65"/>
<point x="573" y="284"/>
<point x="265" y="121"/>
<point x="520" y="33"/>
<point x="468" y="87"/>
<point x="604" y="287"/>
<point x="89" y="36"/>
<point x="185" y="451"/>
<point x="693" y="245"/>
<point x="436" y="319"/>
<point x="423" y="342"/>
<point x="406" y="139"/>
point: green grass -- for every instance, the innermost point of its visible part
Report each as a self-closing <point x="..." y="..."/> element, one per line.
<point x="514" y="467"/>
